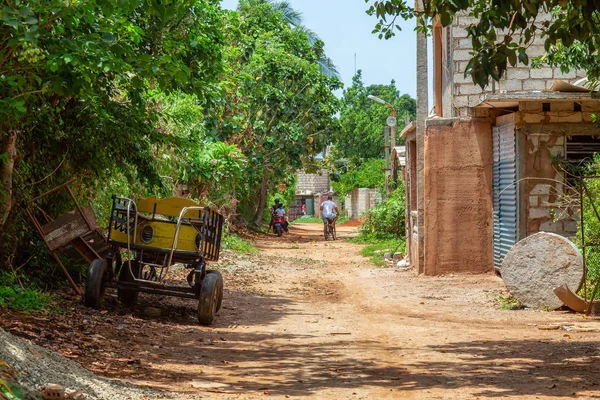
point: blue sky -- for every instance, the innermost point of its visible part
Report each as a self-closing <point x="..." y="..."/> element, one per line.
<point x="346" y="30"/>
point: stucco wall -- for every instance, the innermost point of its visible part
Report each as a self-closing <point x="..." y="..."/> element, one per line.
<point x="458" y="197"/>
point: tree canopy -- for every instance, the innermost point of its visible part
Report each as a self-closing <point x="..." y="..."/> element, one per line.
<point x="363" y="121"/>
<point x="503" y="30"/>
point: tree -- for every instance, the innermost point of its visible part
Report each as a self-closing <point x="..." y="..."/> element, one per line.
<point x="363" y="120"/>
<point x="277" y="107"/>
<point x="76" y="83"/>
<point x="571" y="36"/>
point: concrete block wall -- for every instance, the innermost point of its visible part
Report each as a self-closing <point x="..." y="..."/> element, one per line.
<point x="359" y="201"/>
<point x="313" y="183"/>
<point x="519" y="78"/>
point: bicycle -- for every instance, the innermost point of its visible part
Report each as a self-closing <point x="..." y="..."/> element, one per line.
<point x="329" y="229"/>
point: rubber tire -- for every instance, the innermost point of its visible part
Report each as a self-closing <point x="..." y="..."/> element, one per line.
<point x="128" y="297"/>
<point x="279" y="230"/>
<point x="94" y="284"/>
<point x="333" y="233"/>
<point x="326" y="231"/>
<point x="219" y="286"/>
<point x="207" y="303"/>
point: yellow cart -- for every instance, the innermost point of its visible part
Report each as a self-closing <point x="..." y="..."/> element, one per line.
<point x="154" y="234"/>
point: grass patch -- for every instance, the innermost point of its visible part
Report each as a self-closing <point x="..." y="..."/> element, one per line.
<point x="17" y="298"/>
<point x="507" y="302"/>
<point x="231" y="241"/>
<point x="378" y="244"/>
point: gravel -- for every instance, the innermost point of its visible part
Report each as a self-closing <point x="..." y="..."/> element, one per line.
<point x="37" y="367"/>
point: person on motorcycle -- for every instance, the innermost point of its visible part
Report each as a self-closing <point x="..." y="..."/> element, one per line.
<point x="280" y="212"/>
<point x="329" y="211"/>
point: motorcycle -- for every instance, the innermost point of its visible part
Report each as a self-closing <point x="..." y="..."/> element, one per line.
<point x="278" y="225"/>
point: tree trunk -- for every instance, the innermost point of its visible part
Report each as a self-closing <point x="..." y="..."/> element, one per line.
<point x="262" y="199"/>
<point x="8" y="146"/>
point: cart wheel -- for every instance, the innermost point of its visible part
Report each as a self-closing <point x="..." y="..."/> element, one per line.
<point x="219" y="286"/>
<point x="128" y="297"/>
<point x="209" y="299"/>
<point x="94" y="284"/>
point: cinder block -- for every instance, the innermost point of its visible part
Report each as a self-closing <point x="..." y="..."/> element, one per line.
<point x="511" y="85"/>
<point x="459" y="32"/>
<point x="560" y="141"/>
<point x="461" y="78"/>
<point x="462" y="55"/>
<point x="536" y="51"/>
<point x="465" y="43"/>
<point x="534" y="84"/>
<point x="517" y="73"/>
<point x="570" y="225"/>
<point x="541" y="188"/>
<point x="558" y="74"/>
<point x="541" y="73"/>
<point x="469" y="89"/>
<point x="533" y="201"/>
<point x="551" y="226"/>
<point x="539" y="212"/>
<point x="557" y="150"/>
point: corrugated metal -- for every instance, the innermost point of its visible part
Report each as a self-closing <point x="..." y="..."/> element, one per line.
<point x="504" y="173"/>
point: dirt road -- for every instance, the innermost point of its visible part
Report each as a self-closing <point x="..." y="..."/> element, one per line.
<point x="308" y="318"/>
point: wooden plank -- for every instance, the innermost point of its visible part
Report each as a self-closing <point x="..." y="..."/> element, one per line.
<point x="68" y="218"/>
<point x="66" y="232"/>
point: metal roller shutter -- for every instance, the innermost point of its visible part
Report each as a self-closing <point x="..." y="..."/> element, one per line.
<point x="504" y="172"/>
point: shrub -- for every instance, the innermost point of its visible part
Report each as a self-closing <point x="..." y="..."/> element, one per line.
<point x="389" y="216"/>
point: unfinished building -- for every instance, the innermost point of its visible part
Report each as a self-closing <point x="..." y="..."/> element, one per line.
<point x="482" y="170"/>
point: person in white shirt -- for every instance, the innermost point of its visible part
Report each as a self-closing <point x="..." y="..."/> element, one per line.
<point x="329" y="210"/>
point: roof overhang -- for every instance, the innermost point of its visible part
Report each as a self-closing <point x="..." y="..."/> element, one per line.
<point x="411" y="127"/>
<point x="508" y="100"/>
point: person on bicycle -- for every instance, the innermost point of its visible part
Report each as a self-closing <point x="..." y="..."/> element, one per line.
<point x="329" y="211"/>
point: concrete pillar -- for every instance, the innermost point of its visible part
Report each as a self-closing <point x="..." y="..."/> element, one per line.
<point x="422" y="111"/>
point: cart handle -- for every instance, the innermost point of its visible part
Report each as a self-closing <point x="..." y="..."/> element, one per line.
<point x="184" y="211"/>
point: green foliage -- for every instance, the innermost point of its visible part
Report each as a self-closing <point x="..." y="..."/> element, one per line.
<point x="307" y="219"/>
<point x="16" y="298"/>
<point x="388" y="217"/>
<point x="233" y="242"/>
<point x="363" y="121"/>
<point x="369" y="174"/>
<point x="378" y="244"/>
<point x="570" y="36"/>
<point x="507" y="302"/>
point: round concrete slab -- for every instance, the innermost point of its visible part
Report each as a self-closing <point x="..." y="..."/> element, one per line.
<point x="538" y="264"/>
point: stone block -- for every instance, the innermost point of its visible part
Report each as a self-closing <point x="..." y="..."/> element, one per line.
<point x="465" y="21"/>
<point x="533" y="201"/>
<point x="539" y="212"/>
<point x="544" y="200"/>
<point x="517" y="73"/>
<point x="534" y="84"/>
<point x="563" y="116"/>
<point x="541" y="73"/>
<point x="561" y="106"/>
<point x="541" y="188"/>
<point x="533" y="118"/>
<point x="474" y="99"/>
<point x="592" y="105"/>
<point x="588" y="116"/>
<point x="460" y="78"/>
<point x="530" y="106"/>
<point x="560" y="141"/>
